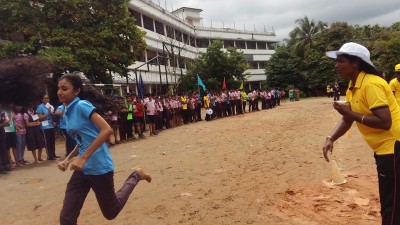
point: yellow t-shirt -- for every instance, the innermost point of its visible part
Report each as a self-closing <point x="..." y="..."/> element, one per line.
<point x="369" y="92"/>
<point x="184" y="102"/>
<point x="395" y="86"/>
<point x="206" y="102"/>
<point x="328" y="89"/>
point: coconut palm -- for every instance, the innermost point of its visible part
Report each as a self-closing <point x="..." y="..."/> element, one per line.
<point x="302" y="37"/>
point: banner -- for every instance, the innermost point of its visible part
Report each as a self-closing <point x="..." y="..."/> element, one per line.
<point x="200" y="83"/>
<point x="224" y="84"/>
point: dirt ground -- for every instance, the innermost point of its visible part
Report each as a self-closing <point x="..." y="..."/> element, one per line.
<point x="264" y="167"/>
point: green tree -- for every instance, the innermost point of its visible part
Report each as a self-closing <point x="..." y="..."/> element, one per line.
<point x="93" y="37"/>
<point x="385" y="52"/>
<point x="302" y="37"/>
<point x="282" y="70"/>
<point x="213" y="66"/>
<point x="319" y="69"/>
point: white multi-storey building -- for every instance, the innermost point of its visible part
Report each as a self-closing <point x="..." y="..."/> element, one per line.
<point x="174" y="38"/>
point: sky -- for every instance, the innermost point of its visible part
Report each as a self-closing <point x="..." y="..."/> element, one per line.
<point x="280" y="15"/>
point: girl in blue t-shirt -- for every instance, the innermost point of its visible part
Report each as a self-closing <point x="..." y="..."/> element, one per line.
<point x="90" y="160"/>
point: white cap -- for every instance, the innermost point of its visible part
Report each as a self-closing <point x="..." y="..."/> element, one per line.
<point x="353" y="49"/>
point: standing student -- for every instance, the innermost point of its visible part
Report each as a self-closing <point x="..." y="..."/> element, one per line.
<point x="90" y="160"/>
<point x="20" y="131"/>
<point x="11" y="138"/>
<point x="184" y="108"/>
<point x="122" y="115"/>
<point x="373" y="107"/>
<point x="34" y="135"/>
<point x="206" y="100"/>
<point x="336" y="92"/>
<point x="395" y="83"/>
<point x="129" y="118"/>
<point x="114" y="121"/>
<point x="45" y="112"/>
<point x="4" y="120"/>
<point x="244" y="99"/>
<point x="150" y="106"/>
<point x="138" y="118"/>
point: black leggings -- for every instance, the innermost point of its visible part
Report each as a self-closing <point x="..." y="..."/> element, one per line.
<point x="388" y="167"/>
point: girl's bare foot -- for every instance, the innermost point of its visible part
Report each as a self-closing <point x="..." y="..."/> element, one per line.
<point x="144" y="175"/>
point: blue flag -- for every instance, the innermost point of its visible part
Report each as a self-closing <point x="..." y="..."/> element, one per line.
<point x="200" y="83"/>
<point x="141" y="86"/>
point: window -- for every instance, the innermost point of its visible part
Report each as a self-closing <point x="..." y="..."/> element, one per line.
<point x="185" y="38"/>
<point x="192" y="41"/>
<point x="229" y="43"/>
<point x="173" y="61"/>
<point x="140" y="58"/>
<point x="150" y="55"/>
<point x="178" y="35"/>
<point x="253" y="65"/>
<point x="251" y="45"/>
<point x="261" y="45"/>
<point x="163" y="58"/>
<point x="159" y="27"/>
<point x="148" y="23"/>
<point x="170" y="32"/>
<point x="240" y="44"/>
<point x="137" y="16"/>
<point x="202" y="43"/>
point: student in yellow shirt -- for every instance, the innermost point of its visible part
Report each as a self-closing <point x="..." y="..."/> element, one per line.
<point x="328" y="91"/>
<point x="395" y="83"/>
<point x="206" y="100"/>
<point x="184" y="108"/>
<point x="371" y="104"/>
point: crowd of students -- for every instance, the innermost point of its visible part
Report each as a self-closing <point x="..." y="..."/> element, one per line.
<point x="130" y="117"/>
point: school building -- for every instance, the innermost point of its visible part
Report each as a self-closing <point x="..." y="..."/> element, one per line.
<point x="174" y="38"/>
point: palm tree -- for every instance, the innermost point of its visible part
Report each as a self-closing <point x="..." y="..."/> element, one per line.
<point x="303" y="36"/>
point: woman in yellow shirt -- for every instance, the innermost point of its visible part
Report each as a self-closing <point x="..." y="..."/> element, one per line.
<point x="395" y="83"/>
<point x="371" y="104"/>
<point x="328" y="91"/>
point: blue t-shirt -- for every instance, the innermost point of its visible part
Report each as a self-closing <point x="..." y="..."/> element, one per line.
<point x="62" y="120"/>
<point x="80" y="127"/>
<point x="42" y="109"/>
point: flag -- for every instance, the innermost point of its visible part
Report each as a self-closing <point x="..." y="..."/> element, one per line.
<point x="200" y="83"/>
<point x="141" y="86"/>
<point x="224" y="84"/>
<point x="241" y="86"/>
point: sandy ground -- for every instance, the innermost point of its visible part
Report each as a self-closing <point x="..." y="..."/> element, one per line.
<point x="262" y="168"/>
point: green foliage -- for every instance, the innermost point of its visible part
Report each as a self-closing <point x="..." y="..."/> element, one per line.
<point x="93" y="37"/>
<point x="283" y="71"/>
<point x="213" y="66"/>
<point x="302" y="37"/>
<point x="319" y="70"/>
<point x="385" y="52"/>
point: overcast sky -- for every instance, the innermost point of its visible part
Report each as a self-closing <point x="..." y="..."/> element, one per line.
<point x="280" y="15"/>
